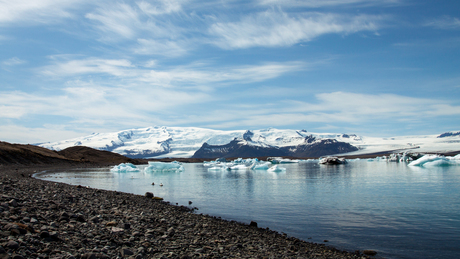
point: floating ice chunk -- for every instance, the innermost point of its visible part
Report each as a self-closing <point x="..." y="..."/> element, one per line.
<point x="163" y="166"/>
<point x="276" y="168"/>
<point x="260" y="166"/>
<point x="280" y="160"/>
<point x="436" y="160"/>
<point x="125" y="167"/>
<point x="332" y="160"/>
<point x="238" y="167"/>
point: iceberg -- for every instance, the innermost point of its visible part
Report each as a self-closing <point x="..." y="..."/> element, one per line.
<point x="164" y="166"/>
<point x="276" y="168"/>
<point x="125" y="167"/>
<point x="260" y="166"/>
<point x="436" y="160"/>
<point x="332" y="160"/>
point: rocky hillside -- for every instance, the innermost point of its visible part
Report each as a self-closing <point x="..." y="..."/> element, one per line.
<point x="29" y="154"/>
<point x="246" y="147"/>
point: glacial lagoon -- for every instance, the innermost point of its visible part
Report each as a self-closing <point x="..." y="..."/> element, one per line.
<point x="400" y="211"/>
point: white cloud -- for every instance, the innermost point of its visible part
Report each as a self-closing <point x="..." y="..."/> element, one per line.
<point x="13" y="61"/>
<point x="275" y="29"/>
<point x="161" y="7"/>
<point x="119" y="19"/>
<point x="177" y="76"/>
<point x="445" y="23"/>
<point x="323" y="3"/>
<point x="20" y="134"/>
<point x="64" y="67"/>
<point x="161" y="47"/>
<point x="336" y="108"/>
<point x="32" y="11"/>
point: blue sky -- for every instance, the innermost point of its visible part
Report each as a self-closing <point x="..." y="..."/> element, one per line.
<point x="371" y="67"/>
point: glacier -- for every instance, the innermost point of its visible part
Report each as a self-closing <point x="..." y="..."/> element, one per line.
<point x="183" y="142"/>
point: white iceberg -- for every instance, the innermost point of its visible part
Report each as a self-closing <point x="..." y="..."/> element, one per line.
<point x="125" y="167"/>
<point x="260" y="166"/>
<point x="276" y="168"/>
<point x="164" y="166"/>
<point x="436" y="160"/>
<point x="238" y="167"/>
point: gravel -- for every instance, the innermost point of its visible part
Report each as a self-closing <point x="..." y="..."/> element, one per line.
<point x="42" y="219"/>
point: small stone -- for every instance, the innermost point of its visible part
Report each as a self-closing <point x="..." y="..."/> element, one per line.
<point x="13" y="203"/>
<point x="126" y="252"/>
<point x="54" y="225"/>
<point x="369" y="252"/>
<point x="149" y="195"/>
<point x="81" y="218"/>
<point x="44" y="234"/>
<point x="116" y="230"/>
<point x="253" y="224"/>
<point x="111" y="224"/>
<point x="12" y="244"/>
<point x="15" y="256"/>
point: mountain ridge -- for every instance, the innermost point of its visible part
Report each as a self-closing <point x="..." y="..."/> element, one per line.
<point x="183" y="142"/>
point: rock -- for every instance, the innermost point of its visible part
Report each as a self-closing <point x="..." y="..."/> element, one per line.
<point x="253" y="224"/>
<point x="13" y="203"/>
<point x="44" y="234"/>
<point x="149" y="195"/>
<point x="369" y="252"/>
<point x="81" y="218"/>
<point x="111" y="223"/>
<point x="116" y="230"/>
<point x="126" y="252"/>
<point x="12" y="244"/>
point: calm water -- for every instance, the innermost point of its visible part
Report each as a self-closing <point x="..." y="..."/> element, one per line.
<point x="397" y="210"/>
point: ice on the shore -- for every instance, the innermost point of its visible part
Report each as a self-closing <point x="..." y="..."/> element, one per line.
<point x="164" y="166"/>
<point x="436" y="160"/>
<point x="125" y="167"/>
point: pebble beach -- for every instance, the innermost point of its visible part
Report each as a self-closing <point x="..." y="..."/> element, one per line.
<point x="43" y="219"/>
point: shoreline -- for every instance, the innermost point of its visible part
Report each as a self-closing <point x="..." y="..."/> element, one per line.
<point x="44" y="219"/>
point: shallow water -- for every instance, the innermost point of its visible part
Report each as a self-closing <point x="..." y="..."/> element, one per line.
<point x="397" y="210"/>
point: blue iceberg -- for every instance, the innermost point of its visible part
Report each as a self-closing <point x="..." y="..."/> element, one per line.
<point x="436" y="160"/>
<point x="164" y="167"/>
<point x="125" y="167"/>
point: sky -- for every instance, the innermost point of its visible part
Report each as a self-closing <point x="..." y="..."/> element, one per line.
<point x="69" y="68"/>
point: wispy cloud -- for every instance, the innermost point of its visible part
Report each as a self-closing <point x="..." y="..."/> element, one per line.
<point x="189" y="75"/>
<point x="161" y="7"/>
<point x="33" y="12"/>
<point x="323" y="3"/>
<point x="338" y="108"/>
<point x="275" y="29"/>
<point x="445" y="23"/>
<point x="119" y="19"/>
<point x="13" y="61"/>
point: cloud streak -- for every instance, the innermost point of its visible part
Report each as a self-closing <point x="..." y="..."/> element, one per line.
<point x="277" y="29"/>
<point x="444" y="23"/>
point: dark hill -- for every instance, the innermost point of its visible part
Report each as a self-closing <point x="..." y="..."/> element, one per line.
<point x="90" y="155"/>
<point x="20" y="154"/>
<point x="28" y="154"/>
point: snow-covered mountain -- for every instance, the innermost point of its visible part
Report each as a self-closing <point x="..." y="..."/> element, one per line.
<point x="185" y="141"/>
